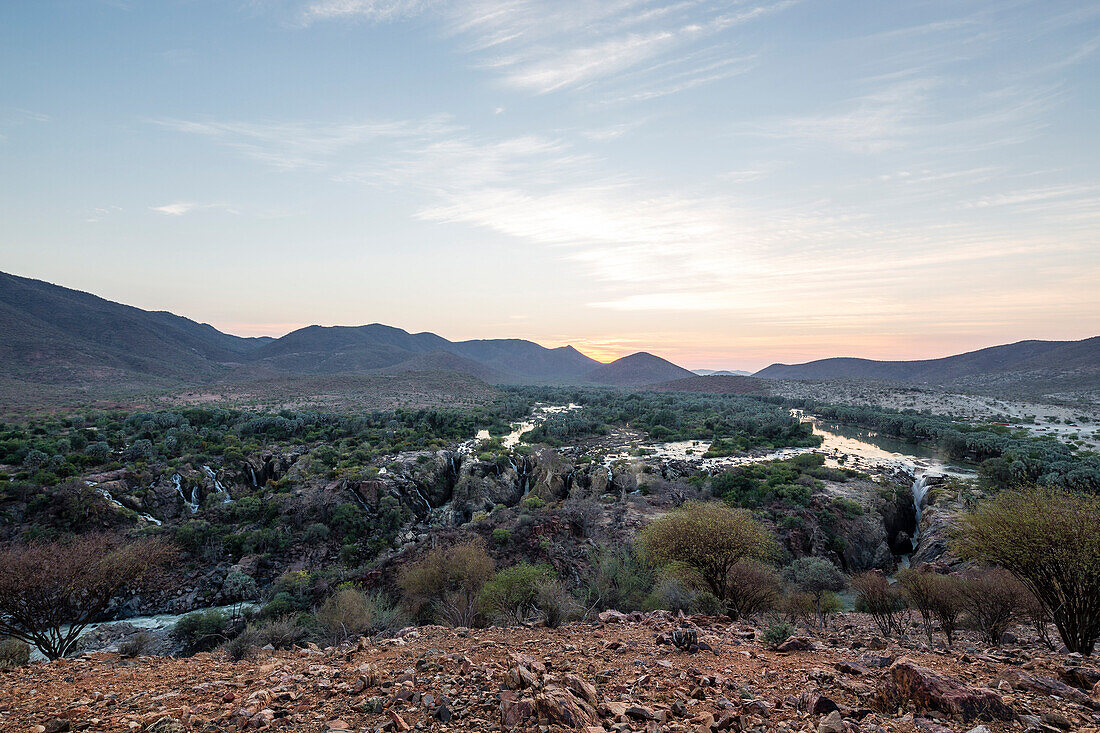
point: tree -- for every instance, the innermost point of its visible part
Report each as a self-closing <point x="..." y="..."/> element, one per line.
<point x="994" y="599"/>
<point x="1050" y="540"/>
<point x="881" y="600"/>
<point x="51" y="591"/>
<point x="708" y="539"/>
<point x="816" y="576"/>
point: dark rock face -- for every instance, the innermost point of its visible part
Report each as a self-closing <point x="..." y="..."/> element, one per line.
<point x="899" y="517"/>
<point x="910" y="684"/>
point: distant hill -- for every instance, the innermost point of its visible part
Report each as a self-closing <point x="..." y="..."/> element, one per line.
<point x="636" y="370"/>
<point x="714" y="384"/>
<point x="721" y="373"/>
<point x="362" y="349"/>
<point x="1022" y="359"/>
<point x="55" y="335"/>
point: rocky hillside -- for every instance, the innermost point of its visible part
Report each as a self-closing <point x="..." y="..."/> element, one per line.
<point x="1065" y="363"/>
<point x="619" y="673"/>
<point x="637" y="370"/>
<point x="55" y="334"/>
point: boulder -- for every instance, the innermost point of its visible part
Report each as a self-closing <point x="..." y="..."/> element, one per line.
<point x="796" y="644"/>
<point x="560" y="705"/>
<point x="1018" y="679"/>
<point x="909" y="683"/>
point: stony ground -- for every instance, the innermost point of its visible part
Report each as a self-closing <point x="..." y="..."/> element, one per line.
<point x="619" y="674"/>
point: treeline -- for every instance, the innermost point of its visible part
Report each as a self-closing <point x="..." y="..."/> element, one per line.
<point x="1006" y="458"/>
<point x="48" y="450"/>
<point x="741" y="423"/>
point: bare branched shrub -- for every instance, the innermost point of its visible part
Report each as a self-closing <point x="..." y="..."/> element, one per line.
<point x="1050" y="540"/>
<point x="876" y="597"/>
<point x="994" y="599"/>
<point x="754" y="587"/>
<point x="51" y="591"/>
<point x="936" y="598"/>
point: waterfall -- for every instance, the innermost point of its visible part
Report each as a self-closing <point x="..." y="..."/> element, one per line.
<point x="426" y="503"/>
<point x="193" y="504"/>
<point x="920" y="491"/>
<point x="252" y="471"/>
<point x="218" y="488"/>
<point x="118" y="504"/>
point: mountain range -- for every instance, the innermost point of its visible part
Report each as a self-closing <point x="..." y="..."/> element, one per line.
<point x="1021" y="360"/>
<point x="55" y="335"/>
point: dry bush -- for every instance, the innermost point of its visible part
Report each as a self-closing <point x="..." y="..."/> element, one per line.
<point x="876" y="597"/>
<point x="797" y="607"/>
<point x="350" y="613"/>
<point x="753" y="587"/>
<point x="1050" y="540"/>
<point x="994" y="599"/>
<point x="14" y="653"/>
<point x="445" y="584"/>
<point x="51" y="591"/>
<point x="936" y="598"/>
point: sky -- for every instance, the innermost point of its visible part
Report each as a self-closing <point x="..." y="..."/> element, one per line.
<point x="724" y="183"/>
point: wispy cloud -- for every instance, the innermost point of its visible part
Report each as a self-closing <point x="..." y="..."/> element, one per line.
<point x="303" y="144"/>
<point x="13" y="118"/>
<point x="545" y="46"/>
<point x="372" y="10"/>
<point x="179" y="208"/>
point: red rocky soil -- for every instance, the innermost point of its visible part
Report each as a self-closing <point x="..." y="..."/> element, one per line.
<point x="616" y="675"/>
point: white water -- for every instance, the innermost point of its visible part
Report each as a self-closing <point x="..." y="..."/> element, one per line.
<point x="218" y="488"/>
<point x="119" y="505"/>
<point x="157" y="622"/>
<point x="193" y="503"/>
<point x="920" y="491"/>
<point x="538" y="416"/>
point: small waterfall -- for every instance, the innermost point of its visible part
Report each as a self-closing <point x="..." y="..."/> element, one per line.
<point x="252" y="472"/>
<point x="426" y="503"/>
<point x="118" y="504"/>
<point x="218" y="488"/>
<point x="193" y="503"/>
<point x="920" y="491"/>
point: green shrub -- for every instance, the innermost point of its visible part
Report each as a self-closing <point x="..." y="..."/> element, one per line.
<point x="534" y="502"/>
<point x="202" y="630"/>
<point x="510" y="597"/>
<point x="350" y="613"/>
<point x="618" y="579"/>
<point x="14" y="653"/>
<point x="502" y="536"/>
<point x="444" y="585"/>
<point x="777" y="632"/>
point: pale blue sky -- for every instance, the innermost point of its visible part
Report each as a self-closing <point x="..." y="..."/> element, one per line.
<point x="726" y="183"/>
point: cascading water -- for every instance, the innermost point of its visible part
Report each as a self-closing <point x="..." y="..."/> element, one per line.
<point x="119" y="505"/>
<point x="193" y="502"/>
<point x="920" y="491"/>
<point x="218" y="488"/>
